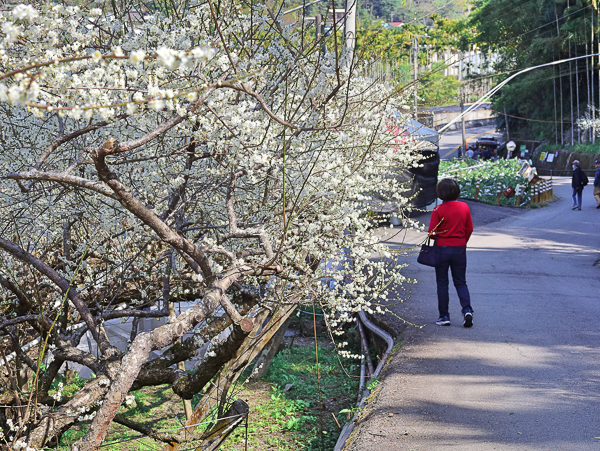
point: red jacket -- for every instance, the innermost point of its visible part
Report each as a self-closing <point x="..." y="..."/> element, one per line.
<point x="451" y="224"/>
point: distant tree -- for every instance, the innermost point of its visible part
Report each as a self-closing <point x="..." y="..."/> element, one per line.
<point x="438" y="89"/>
<point x="422" y="11"/>
<point x="386" y="8"/>
<point x="391" y="47"/>
<point x="532" y="33"/>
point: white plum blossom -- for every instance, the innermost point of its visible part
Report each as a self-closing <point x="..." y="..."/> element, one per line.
<point x="137" y="56"/>
<point x="57" y="396"/>
<point x="165" y="160"/>
<point x="21" y="12"/>
<point x="167" y="57"/>
<point x="96" y="56"/>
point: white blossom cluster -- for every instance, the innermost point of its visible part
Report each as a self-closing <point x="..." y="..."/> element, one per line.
<point x="129" y="401"/>
<point x="326" y="175"/>
<point x="22" y="445"/>
<point x="19" y="444"/>
<point x="590" y="120"/>
<point x="57" y="395"/>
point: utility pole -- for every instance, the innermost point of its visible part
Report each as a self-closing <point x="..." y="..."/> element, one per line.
<point x="318" y="32"/>
<point x="350" y="28"/>
<point x="414" y="46"/>
<point x="560" y="86"/>
<point x="555" y="113"/>
<point x="464" y="140"/>
<point x="577" y="93"/>
<point x="571" y="95"/>
<point x="317" y="27"/>
<point x="507" y="130"/>
<point x="593" y="103"/>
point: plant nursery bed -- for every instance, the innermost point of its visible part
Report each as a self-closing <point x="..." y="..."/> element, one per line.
<point x="482" y="180"/>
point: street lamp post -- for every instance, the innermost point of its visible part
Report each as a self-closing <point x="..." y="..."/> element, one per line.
<point x="464" y="139"/>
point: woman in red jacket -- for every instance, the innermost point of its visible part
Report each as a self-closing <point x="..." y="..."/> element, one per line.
<point x="451" y="226"/>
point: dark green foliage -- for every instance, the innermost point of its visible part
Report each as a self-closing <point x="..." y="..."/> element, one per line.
<point x="527" y="34"/>
<point x="437" y="89"/>
<point x="338" y="385"/>
<point x="390" y="48"/>
<point x="589" y="148"/>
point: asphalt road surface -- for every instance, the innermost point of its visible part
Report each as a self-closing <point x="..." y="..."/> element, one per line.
<point x="526" y="376"/>
<point x="451" y="140"/>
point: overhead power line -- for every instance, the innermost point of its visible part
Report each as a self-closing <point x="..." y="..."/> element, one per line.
<point x="526" y="118"/>
<point x="492" y="91"/>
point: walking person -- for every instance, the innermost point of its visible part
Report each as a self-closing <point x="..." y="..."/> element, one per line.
<point x="597" y="183"/>
<point x="578" y="181"/>
<point x="451" y="226"/>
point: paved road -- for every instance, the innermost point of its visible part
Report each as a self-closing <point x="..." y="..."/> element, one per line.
<point x="527" y="375"/>
<point x="453" y="138"/>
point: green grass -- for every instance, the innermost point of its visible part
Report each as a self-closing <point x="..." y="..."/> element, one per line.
<point x="68" y="389"/>
<point x="157" y="407"/>
<point x="587" y="148"/>
<point x="298" y="366"/>
<point x="294" y="420"/>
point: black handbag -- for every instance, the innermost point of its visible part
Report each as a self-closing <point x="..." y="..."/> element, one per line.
<point x="429" y="255"/>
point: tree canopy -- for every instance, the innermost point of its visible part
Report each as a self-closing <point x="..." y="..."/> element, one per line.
<point x="526" y="34"/>
<point x="201" y="153"/>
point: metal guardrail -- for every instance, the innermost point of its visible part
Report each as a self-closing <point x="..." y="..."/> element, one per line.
<point x="349" y="427"/>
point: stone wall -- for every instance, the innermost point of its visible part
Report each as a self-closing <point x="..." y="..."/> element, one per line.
<point x="562" y="162"/>
<point x="475" y="118"/>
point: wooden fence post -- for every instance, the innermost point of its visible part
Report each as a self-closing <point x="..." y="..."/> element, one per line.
<point x="477" y="189"/>
<point x="499" y="193"/>
<point x="518" y="195"/>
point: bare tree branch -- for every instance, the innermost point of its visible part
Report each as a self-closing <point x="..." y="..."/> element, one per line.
<point x="73" y="180"/>
<point x="129" y="201"/>
<point x="64" y="286"/>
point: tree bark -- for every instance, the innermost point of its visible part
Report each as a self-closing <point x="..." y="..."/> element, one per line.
<point x="139" y="354"/>
<point x="268" y="353"/>
<point x="244" y="356"/>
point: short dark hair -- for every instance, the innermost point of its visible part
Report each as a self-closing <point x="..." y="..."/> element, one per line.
<point x="448" y="189"/>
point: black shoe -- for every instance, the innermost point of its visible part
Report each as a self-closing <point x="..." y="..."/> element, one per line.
<point x="574" y="207"/>
<point x="579" y="209"/>
<point x="598" y="206"/>
<point x="468" y="319"/>
<point x="443" y="321"/>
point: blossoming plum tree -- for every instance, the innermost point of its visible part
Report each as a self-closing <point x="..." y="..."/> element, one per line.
<point x="207" y="153"/>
